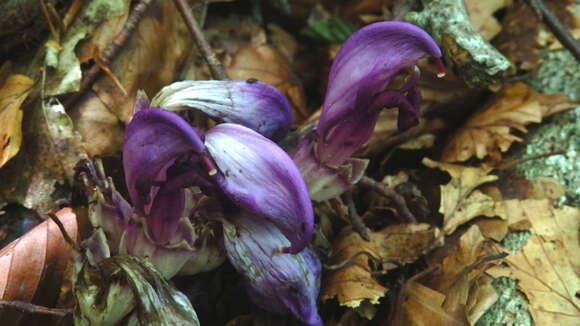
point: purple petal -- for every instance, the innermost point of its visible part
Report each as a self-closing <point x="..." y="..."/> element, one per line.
<point x="362" y="69"/>
<point x="278" y="282"/>
<point x="254" y="104"/>
<point x="156" y="141"/>
<point x="262" y="179"/>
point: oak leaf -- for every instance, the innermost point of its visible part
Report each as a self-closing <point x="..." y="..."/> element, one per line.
<point x="488" y="131"/>
<point x="12" y="93"/>
<point x="460" y="201"/>
<point x="355" y="282"/>
<point x="547" y="266"/>
<point x="33" y="267"/>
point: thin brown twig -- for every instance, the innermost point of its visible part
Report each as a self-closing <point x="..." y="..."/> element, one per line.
<point x="391" y="194"/>
<point x="508" y="164"/>
<point x="112" y="50"/>
<point x="556" y="26"/>
<point x="349" y="261"/>
<point x="29" y="308"/>
<point x="64" y="233"/>
<point x="216" y="67"/>
<point x="356" y="221"/>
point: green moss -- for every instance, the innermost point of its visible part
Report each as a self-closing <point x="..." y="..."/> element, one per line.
<point x="516" y="240"/>
<point x="511" y="307"/>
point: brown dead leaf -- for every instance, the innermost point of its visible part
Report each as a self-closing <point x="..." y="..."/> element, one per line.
<point x="460" y="201"/>
<point x="487" y="132"/>
<point x="264" y="62"/>
<point x="547" y="267"/>
<point x="32" y="267"/>
<point x="521" y="40"/>
<point x="12" y="93"/>
<point x="151" y="59"/>
<point x="481" y="297"/>
<point x="355" y="283"/>
<point x="481" y="16"/>
<point x="422" y="306"/>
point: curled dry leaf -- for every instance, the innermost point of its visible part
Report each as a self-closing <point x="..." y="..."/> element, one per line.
<point x="12" y="93"/>
<point x="460" y="201"/>
<point x="488" y="131"/>
<point x="33" y="267"/>
<point x="354" y="283"/>
<point x="547" y="267"/>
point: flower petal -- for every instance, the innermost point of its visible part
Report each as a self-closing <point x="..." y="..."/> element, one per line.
<point x="254" y="104"/>
<point x="155" y="140"/>
<point x="363" y="68"/>
<point x="262" y="179"/>
<point x="278" y="282"/>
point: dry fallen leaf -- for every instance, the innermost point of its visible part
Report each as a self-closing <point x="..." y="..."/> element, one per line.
<point x="547" y="267"/>
<point x="422" y="306"/>
<point x="487" y="132"/>
<point x="151" y="59"/>
<point x="355" y="283"/>
<point x="32" y="267"/>
<point x="460" y="201"/>
<point x="481" y="16"/>
<point x="482" y="296"/>
<point x="12" y="93"/>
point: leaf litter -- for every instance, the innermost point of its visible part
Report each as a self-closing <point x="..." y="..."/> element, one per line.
<point x="445" y="270"/>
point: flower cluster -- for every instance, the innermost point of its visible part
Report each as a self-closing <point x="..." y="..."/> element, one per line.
<point x="230" y="191"/>
<point x="358" y="88"/>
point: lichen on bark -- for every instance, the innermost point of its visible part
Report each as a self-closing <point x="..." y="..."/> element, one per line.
<point x="476" y="61"/>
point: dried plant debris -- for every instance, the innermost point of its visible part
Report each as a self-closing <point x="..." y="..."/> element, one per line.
<point x="488" y="131"/>
<point x="362" y="260"/>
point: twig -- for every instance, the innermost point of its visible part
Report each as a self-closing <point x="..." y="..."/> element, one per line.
<point x="355" y="219"/>
<point x="508" y="164"/>
<point x="349" y="261"/>
<point x="29" y="308"/>
<point x="391" y="194"/>
<point x="112" y="50"/>
<point x="556" y="26"/>
<point x="477" y="263"/>
<point x="65" y="234"/>
<point x="216" y="67"/>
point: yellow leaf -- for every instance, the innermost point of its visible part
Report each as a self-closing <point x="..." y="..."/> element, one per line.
<point x="460" y="202"/>
<point x="547" y="266"/>
<point x="355" y="283"/>
<point x="12" y="93"/>
<point x="487" y="132"/>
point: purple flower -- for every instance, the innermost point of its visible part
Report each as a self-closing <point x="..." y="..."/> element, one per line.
<point x="251" y="103"/>
<point x="177" y="175"/>
<point x="358" y="88"/>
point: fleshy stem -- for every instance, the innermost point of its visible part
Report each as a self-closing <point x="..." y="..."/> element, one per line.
<point x="216" y="67"/>
<point x="112" y="50"/>
<point x="556" y="26"/>
<point x="391" y="194"/>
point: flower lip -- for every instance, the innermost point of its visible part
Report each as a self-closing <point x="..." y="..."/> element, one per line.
<point x="362" y="69"/>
